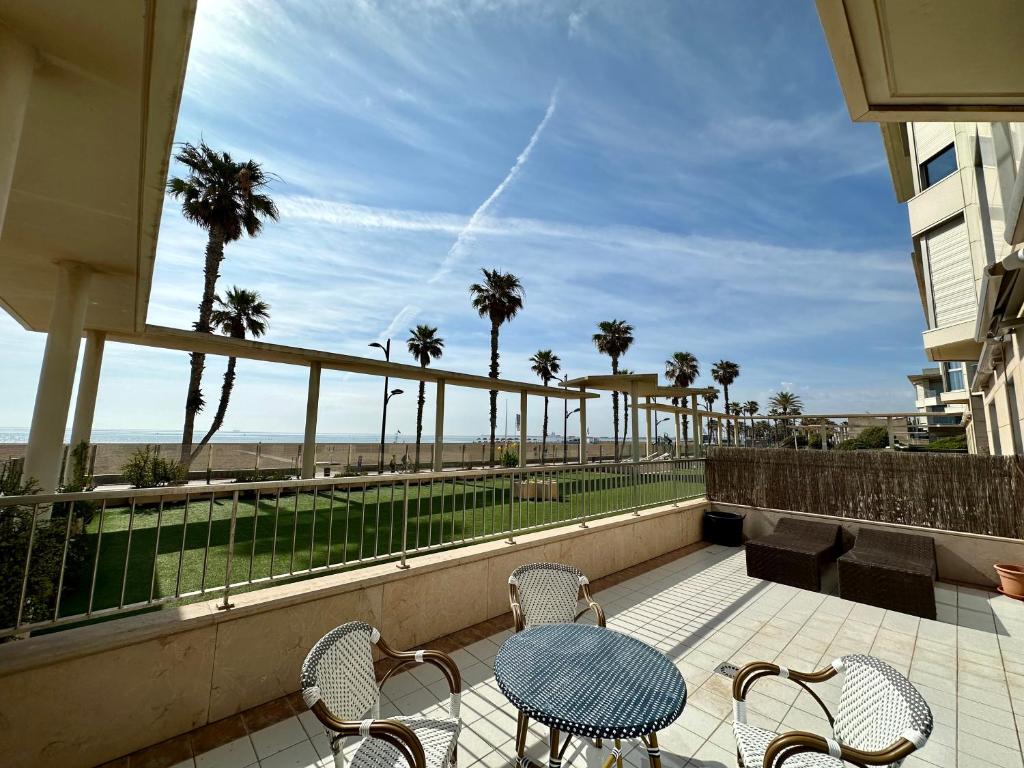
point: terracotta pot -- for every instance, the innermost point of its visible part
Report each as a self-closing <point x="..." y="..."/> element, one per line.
<point x="1011" y="578"/>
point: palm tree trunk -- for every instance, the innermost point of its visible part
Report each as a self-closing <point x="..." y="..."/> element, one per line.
<point x="544" y="437"/>
<point x="197" y="361"/>
<point x="725" y="393"/>
<point x="494" y="393"/>
<point x="615" y="412"/>
<point x="420" y="401"/>
<point x="222" y="408"/>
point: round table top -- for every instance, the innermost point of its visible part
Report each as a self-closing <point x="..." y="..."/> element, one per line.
<point x="589" y="681"/>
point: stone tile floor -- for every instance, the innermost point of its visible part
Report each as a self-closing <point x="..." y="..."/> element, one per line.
<point x="702" y="609"/>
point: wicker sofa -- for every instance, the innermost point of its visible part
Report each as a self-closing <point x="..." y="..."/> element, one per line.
<point x="890" y="570"/>
<point x="794" y="553"/>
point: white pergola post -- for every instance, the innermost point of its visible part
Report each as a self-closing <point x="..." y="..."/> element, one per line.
<point x="522" y="429"/>
<point x="57" y="376"/>
<point x="698" y="438"/>
<point x="648" y="417"/>
<point x="309" y="436"/>
<point x="438" y="464"/>
<point x="17" y="60"/>
<point x="583" y="429"/>
<point x="892" y="433"/>
<point x="679" y="434"/>
<point x="824" y="437"/>
<point x="88" y="387"/>
<point x="634" y="419"/>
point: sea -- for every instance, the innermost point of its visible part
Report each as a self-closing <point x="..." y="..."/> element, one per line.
<point x="9" y="436"/>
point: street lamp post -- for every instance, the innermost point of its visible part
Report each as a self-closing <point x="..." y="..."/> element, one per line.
<point x="658" y="421"/>
<point x="388" y="394"/>
<point x="565" y="431"/>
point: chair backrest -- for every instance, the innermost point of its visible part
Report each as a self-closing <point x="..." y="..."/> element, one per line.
<point x="339" y="671"/>
<point x="548" y="592"/>
<point x="878" y="706"/>
<point x="897" y="545"/>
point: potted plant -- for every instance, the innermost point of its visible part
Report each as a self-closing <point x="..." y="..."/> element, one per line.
<point x="1011" y="579"/>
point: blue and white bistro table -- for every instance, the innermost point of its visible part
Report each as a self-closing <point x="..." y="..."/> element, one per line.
<point x="581" y="680"/>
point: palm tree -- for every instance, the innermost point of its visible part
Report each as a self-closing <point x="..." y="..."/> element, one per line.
<point x="424" y="345"/>
<point x="681" y="370"/>
<point x="226" y="198"/>
<point x="499" y="298"/>
<point x="750" y="408"/>
<point x="614" y="338"/>
<point x="240" y="312"/>
<point x="709" y="399"/>
<point x="736" y="410"/>
<point x="547" y="366"/>
<point x="625" y="415"/>
<point x="785" y="404"/>
<point x="725" y="372"/>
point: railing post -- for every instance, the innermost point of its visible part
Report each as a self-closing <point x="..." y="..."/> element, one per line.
<point x="231" y="554"/>
<point x="405" y="526"/>
<point x="511" y="508"/>
<point x="634" y="470"/>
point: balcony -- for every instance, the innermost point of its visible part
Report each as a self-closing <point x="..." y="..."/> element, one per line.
<point x="212" y="678"/>
<point x="700" y="609"/>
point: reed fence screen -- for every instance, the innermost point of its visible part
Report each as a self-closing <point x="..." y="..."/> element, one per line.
<point x="969" y="494"/>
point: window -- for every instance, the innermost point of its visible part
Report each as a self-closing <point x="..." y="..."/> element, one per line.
<point x="938" y="166"/>
<point x="954" y="376"/>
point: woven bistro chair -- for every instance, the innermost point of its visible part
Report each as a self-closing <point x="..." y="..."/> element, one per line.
<point x="549" y="593"/>
<point x="339" y="685"/>
<point x="881" y="718"/>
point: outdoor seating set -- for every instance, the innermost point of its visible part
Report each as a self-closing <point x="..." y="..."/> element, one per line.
<point x="886" y="569"/>
<point x="595" y="683"/>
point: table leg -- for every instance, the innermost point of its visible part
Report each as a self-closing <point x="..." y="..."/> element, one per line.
<point x="618" y="753"/>
<point x="554" y="761"/>
<point x="522" y="726"/>
<point x="653" y="751"/>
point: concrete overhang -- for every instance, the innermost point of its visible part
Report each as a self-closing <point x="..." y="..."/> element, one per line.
<point x="927" y="60"/>
<point x="952" y="344"/>
<point x="92" y="160"/>
<point x="646" y="385"/>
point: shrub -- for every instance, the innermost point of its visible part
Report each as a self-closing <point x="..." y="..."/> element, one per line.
<point x="47" y="552"/>
<point x="509" y="456"/>
<point x="871" y="438"/>
<point x="953" y="443"/>
<point x="146" y="469"/>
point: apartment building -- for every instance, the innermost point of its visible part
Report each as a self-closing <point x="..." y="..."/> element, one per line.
<point x="915" y="67"/>
<point x="938" y="390"/>
<point x="958" y="180"/>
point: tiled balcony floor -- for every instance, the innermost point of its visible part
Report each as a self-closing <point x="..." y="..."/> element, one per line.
<point x="702" y="609"/>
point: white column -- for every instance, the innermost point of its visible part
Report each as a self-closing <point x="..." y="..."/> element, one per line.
<point x="439" y="427"/>
<point x="889" y="429"/>
<point x="312" y="407"/>
<point x="17" y="60"/>
<point x="88" y="386"/>
<point x="583" y="428"/>
<point x="57" y="376"/>
<point x="522" y="429"/>
<point x="824" y="437"/>
<point x="698" y="438"/>
<point x="634" y="420"/>
<point x="648" y="435"/>
<point x="679" y="434"/>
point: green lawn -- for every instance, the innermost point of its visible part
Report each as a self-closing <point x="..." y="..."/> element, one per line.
<point x="179" y="550"/>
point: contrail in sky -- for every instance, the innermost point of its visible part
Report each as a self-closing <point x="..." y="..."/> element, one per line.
<point x="466" y="234"/>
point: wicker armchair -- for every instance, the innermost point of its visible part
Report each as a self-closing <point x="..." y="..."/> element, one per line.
<point x="339" y="685"/>
<point x="549" y="593"/>
<point x="881" y="718"/>
<point x="890" y="570"/>
<point x="794" y="553"/>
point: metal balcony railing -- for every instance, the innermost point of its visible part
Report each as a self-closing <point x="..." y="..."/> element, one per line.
<point x="76" y="557"/>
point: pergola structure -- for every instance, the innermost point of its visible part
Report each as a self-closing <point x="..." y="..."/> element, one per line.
<point x="697" y="414"/>
<point x="638" y="385"/>
<point x="161" y="337"/>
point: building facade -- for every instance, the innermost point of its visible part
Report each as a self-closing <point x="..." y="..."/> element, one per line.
<point x="940" y="390"/>
<point x="958" y="180"/>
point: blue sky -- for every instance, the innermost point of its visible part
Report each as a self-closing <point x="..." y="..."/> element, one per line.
<point x="686" y="166"/>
